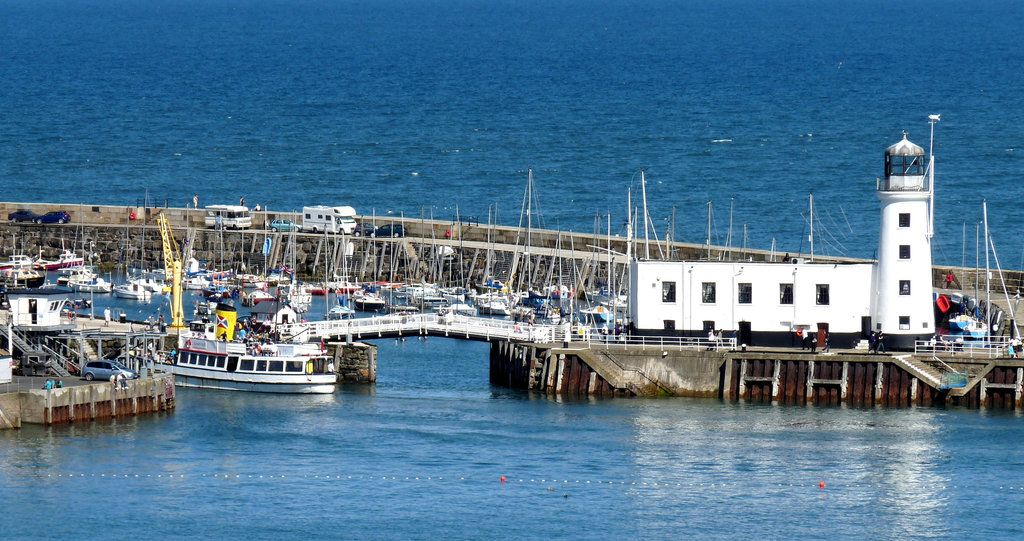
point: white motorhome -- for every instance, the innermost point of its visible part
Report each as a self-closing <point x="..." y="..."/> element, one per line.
<point x="329" y="219"/>
<point x="228" y="217"/>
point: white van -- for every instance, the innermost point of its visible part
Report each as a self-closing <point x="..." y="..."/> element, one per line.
<point x="329" y="219"/>
<point x="230" y="217"/>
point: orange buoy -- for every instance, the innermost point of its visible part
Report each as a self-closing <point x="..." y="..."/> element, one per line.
<point x="502" y="478"/>
<point x="821" y="485"/>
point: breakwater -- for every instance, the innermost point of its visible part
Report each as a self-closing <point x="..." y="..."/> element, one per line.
<point x="461" y="252"/>
<point x="850" y="378"/>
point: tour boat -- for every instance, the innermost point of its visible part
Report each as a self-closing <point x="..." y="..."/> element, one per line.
<point x="207" y="362"/>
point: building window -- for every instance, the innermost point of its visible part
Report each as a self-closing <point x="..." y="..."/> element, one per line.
<point x="904" y="323"/>
<point x="669" y="324"/>
<point x="785" y="293"/>
<point x="904" y="219"/>
<point x="668" y="292"/>
<point x="746" y="294"/>
<point x="821" y="294"/>
<point x="709" y="326"/>
<point x="904" y="251"/>
<point x="707" y="292"/>
<point x="904" y="287"/>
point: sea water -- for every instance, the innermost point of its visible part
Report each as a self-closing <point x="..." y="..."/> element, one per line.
<point x="415" y="108"/>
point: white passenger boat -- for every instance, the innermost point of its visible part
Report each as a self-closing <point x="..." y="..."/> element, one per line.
<point x="88" y="284"/>
<point x="206" y="362"/>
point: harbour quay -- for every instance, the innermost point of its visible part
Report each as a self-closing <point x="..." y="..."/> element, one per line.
<point x="26" y="401"/>
<point x="709" y="369"/>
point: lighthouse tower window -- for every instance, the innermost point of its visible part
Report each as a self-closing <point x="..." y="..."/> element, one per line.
<point x="904" y="251"/>
<point x="904" y="323"/>
<point x="904" y="219"/>
<point x="904" y="287"/>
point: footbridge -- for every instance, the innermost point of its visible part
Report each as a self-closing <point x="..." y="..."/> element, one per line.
<point x="453" y="326"/>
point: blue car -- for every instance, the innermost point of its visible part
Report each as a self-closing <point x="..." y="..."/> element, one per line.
<point x="54" y="217"/>
<point x="22" y="215"/>
<point x="390" y="230"/>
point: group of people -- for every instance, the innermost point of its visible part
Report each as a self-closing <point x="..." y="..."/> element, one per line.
<point x="809" y="340"/>
<point x="876" y="342"/>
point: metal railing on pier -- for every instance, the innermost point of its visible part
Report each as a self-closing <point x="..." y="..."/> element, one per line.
<point x="988" y="348"/>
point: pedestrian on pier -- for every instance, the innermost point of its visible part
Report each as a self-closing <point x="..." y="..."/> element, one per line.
<point x="828" y="343"/>
<point x="800" y="335"/>
<point x="880" y="343"/>
<point x="106" y="316"/>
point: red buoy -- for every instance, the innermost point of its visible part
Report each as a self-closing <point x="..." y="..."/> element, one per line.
<point x="821" y="485"/>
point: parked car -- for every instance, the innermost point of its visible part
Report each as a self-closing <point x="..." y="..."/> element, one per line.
<point x="365" y="229"/>
<point x="284" y="224"/>
<point x="390" y="230"/>
<point x="103" y="369"/>
<point x="54" y="217"/>
<point x="22" y="215"/>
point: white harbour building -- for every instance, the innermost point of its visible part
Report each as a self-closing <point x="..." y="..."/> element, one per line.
<point x="766" y="303"/>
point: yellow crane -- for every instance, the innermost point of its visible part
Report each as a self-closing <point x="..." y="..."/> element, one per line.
<point x="172" y="266"/>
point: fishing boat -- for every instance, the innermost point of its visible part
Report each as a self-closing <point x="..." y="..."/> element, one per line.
<point x="133" y="292"/>
<point x="87" y="283"/>
<point x="17" y="261"/>
<point x="16" y="277"/>
<point x="66" y="259"/>
<point x="206" y="361"/>
<point x="368" y="302"/>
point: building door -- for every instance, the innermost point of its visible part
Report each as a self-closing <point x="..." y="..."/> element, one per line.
<point x="33" y="310"/>
<point x="746" y="336"/>
<point x="865" y="326"/>
<point x="822" y="332"/>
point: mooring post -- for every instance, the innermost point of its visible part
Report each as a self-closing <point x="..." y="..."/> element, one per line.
<point x="1017" y="388"/>
<point x="741" y="393"/>
<point x="810" y="382"/>
<point x="878" y="384"/>
<point x="776" y="388"/>
<point x="843" y="385"/>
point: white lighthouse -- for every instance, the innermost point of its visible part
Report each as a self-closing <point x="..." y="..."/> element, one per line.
<point x="902" y="307"/>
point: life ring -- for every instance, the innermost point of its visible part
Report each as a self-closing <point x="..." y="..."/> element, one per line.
<point x="188" y="343"/>
<point x="309" y="367"/>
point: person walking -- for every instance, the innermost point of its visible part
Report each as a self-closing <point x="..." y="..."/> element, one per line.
<point x="106" y="316"/>
<point x="873" y="342"/>
<point x="880" y="343"/>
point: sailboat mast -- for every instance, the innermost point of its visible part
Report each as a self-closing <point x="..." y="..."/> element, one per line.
<point x="643" y="191"/>
<point x="811" y="199"/>
<point x="629" y="226"/>
<point x="988" y="290"/>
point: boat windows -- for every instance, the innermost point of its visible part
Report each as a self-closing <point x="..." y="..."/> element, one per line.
<point x="904" y="287"/>
<point x="904" y="251"/>
<point x="904" y="219"/>
<point x="261" y="366"/>
<point x="707" y="292"/>
<point x="668" y="292"/>
<point x="821" y="295"/>
<point x="276" y="366"/>
<point x="785" y="293"/>
<point x="221" y="361"/>
<point x="746" y="293"/>
<point x="293" y="366"/>
<point x="904" y="323"/>
<point x="246" y="365"/>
